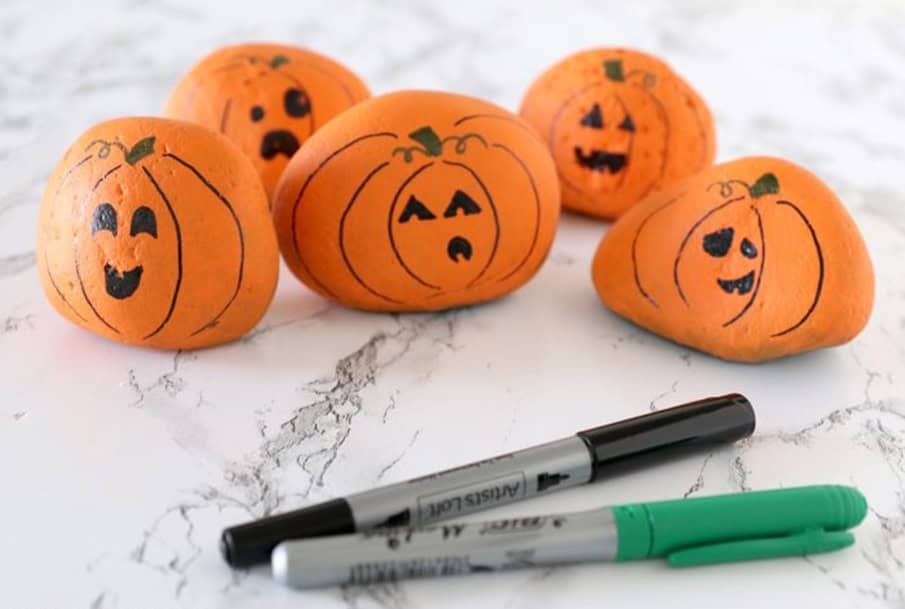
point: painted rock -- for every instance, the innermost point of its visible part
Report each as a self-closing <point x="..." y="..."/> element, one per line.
<point x="749" y="260"/>
<point x="418" y="201"/>
<point x="267" y="98"/>
<point x="620" y="124"/>
<point x="156" y="232"/>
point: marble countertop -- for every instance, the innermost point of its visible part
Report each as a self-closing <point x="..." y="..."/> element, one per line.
<point x="120" y="466"/>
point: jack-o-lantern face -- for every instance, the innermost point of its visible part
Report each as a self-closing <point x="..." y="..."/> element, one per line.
<point x="144" y="240"/>
<point x="268" y="99"/>
<point x="462" y="225"/>
<point x="746" y="270"/>
<point x="456" y="211"/>
<point x="619" y="124"/>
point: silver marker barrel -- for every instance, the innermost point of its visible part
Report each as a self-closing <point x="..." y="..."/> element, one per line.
<point x="586" y="456"/>
<point x="446" y="549"/>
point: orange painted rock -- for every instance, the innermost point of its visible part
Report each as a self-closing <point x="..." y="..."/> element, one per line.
<point x="620" y="124"/>
<point x="156" y="232"/>
<point x="267" y="98"/>
<point x="418" y="200"/>
<point x="749" y="260"/>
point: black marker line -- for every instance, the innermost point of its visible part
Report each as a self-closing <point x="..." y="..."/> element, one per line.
<point x="342" y="228"/>
<point x="536" y="210"/>
<point x="641" y="226"/>
<point x="760" y="271"/>
<point x="694" y="227"/>
<point x="821" y="273"/>
<point x="235" y="217"/>
<point x="178" y="253"/>
<point x="59" y="291"/>
<point x="496" y="218"/>
<point x="390" y="218"/>
<point x="298" y="201"/>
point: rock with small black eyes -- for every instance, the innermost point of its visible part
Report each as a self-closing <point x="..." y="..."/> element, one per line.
<point x="750" y="260"/>
<point x="267" y="98"/>
<point x="156" y="232"/>
<point x="418" y="201"/>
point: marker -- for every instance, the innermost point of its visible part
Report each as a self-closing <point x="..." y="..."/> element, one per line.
<point x="582" y="458"/>
<point x="687" y="532"/>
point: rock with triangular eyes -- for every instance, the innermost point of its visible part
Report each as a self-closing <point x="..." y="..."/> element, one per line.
<point x="620" y="124"/>
<point x="418" y="201"/>
<point x="750" y="260"/>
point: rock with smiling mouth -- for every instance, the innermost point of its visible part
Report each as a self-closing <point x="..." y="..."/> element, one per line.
<point x="121" y="284"/>
<point x="750" y="260"/>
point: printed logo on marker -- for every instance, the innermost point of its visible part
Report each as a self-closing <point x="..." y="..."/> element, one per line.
<point x="472" y="497"/>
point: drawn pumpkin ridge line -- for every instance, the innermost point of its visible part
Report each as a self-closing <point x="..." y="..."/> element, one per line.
<point x="534" y="237"/>
<point x="641" y="226"/>
<point x="760" y="271"/>
<point x="820" y="275"/>
<point x="78" y="270"/>
<point x="178" y="232"/>
<point x="58" y="290"/>
<point x="235" y="217"/>
<point x="279" y="60"/>
<point x="528" y="129"/>
<point x="496" y="218"/>
<point x="694" y="227"/>
<point x="667" y="137"/>
<point x="225" y="116"/>
<point x="392" y="215"/>
<point x="70" y="171"/>
<point x="342" y="229"/>
<point x="298" y="200"/>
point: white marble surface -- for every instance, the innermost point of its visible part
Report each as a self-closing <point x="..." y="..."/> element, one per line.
<point x="120" y="466"/>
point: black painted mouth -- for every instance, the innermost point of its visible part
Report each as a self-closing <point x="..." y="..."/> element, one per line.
<point x="121" y="284"/>
<point x="277" y="142"/>
<point x="458" y="246"/>
<point x="742" y="285"/>
<point x="600" y="160"/>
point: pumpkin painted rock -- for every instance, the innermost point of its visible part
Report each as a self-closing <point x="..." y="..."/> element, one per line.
<point x="266" y="98"/>
<point x="156" y="232"/>
<point x="620" y="124"/>
<point x="418" y="200"/>
<point x="749" y="260"/>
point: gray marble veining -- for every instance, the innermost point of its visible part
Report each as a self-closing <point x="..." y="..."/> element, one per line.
<point x="120" y="466"/>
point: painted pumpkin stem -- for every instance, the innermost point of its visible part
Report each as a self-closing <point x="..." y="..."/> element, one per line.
<point x="431" y="145"/>
<point x="278" y="60"/>
<point x="767" y="184"/>
<point x="140" y="150"/>
<point x="613" y="70"/>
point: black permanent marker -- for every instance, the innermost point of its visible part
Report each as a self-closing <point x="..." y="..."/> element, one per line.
<point x="582" y="458"/>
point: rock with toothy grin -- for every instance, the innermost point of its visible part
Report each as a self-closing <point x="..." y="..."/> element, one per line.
<point x="121" y="284"/>
<point x="742" y="285"/>
<point x="600" y="160"/>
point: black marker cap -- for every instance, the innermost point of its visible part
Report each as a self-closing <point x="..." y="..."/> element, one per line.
<point x="669" y="433"/>
<point x="251" y="543"/>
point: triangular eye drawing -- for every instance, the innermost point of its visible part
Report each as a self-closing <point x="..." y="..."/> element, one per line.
<point x="718" y="242"/>
<point x="461" y="201"/>
<point x="416" y="208"/>
<point x="627" y="124"/>
<point x="594" y="118"/>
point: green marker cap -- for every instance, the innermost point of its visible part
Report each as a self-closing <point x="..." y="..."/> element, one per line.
<point x="741" y="526"/>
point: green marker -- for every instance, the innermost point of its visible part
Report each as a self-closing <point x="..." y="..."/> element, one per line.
<point x="686" y="532"/>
